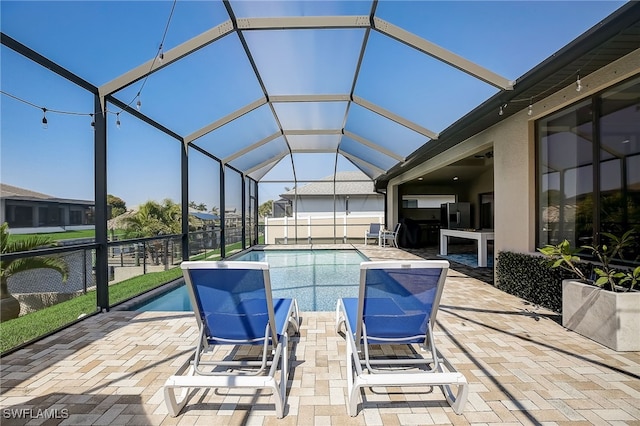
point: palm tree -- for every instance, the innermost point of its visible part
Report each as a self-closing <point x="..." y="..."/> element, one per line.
<point x="153" y="219"/>
<point x="10" y="307"/>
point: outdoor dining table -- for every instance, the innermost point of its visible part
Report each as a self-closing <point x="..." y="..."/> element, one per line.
<point x="481" y="236"/>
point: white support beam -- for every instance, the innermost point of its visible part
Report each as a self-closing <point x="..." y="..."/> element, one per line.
<point x="267" y="162"/>
<point x="303" y="22"/>
<point x="394" y="117"/>
<point x="442" y="54"/>
<point x="170" y="56"/>
<point x="251" y="147"/>
<point x="309" y="98"/>
<point x="374" y="146"/>
<point x="331" y="150"/>
<point x="224" y="120"/>
<point x="313" y="132"/>
<point x="355" y="159"/>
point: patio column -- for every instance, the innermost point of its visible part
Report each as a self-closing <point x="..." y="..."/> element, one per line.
<point x="184" y="180"/>
<point x="100" y="192"/>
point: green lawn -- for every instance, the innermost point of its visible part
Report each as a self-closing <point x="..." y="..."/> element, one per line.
<point x="33" y="325"/>
<point x="57" y="236"/>
<point x="36" y="324"/>
<point x="67" y="235"/>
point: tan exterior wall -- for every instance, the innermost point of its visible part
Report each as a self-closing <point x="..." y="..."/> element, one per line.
<point x="513" y="142"/>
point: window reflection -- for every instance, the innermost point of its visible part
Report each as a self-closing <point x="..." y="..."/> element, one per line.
<point x="569" y="206"/>
<point x="566" y="181"/>
<point x="620" y="161"/>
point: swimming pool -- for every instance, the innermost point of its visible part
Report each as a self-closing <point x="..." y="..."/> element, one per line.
<point x="316" y="278"/>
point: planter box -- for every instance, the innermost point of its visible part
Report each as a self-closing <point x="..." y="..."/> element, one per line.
<point x="611" y="319"/>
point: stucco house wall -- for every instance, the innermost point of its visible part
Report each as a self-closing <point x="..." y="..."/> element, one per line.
<point x="513" y="142"/>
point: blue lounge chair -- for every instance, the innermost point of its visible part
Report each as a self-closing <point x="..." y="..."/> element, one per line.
<point x="397" y="305"/>
<point x="233" y="305"/>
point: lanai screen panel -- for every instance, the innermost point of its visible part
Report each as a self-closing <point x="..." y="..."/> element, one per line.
<point x="314" y="166"/>
<point x="204" y="182"/>
<point x="314" y="143"/>
<point x="100" y="40"/>
<point x="259" y="173"/>
<point x="381" y="131"/>
<point x="239" y="134"/>
<point x="262" y="155"/>
<point x="369" y="155"/>
<point x="56" y="160"/>
<point x="248" y="9"/>
<point x="429" y="92"/>
<point x="220" y="81"/>
<point x="311" y="115"/>
<point x="306" y="62"/>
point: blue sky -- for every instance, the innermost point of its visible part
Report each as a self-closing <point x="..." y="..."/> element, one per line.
<point x="101" y="40"/>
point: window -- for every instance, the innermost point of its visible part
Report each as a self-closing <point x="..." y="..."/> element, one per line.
<point x="588" y="169"/>
<point x="50" y="215"/>
<point x="19" y="216"/>
<point x="75" y="217"/>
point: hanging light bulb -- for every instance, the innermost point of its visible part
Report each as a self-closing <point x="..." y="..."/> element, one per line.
<point x="93" y="122"/>
<point x="45" y="123"/>
<point x="502" y="107"/>
<point x="160" y="54"/>
<point x="578" y="84"/>
<point x="138" y="102"/>
<point x="530" y="111"/>
<point x="118" y="120"/>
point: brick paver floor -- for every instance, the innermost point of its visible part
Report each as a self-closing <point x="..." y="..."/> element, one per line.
<point x="523" y="368"/>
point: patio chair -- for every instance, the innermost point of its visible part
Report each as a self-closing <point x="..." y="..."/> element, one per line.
<point x="397" y="305"/>
<point x="391" y="236"/>
<point x="373" y="232"/>
<point x="233" y="305"/>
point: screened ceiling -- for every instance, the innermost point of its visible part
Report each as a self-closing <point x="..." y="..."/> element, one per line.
<point x="297" y="84"/>
<point x="260" y="85"/>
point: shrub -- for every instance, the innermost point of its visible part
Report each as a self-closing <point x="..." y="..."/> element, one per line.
<point x="531" y="278"/>
<point x="606" y="274"/>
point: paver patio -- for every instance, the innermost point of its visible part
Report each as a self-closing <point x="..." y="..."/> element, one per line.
<point x="523" y="368"/>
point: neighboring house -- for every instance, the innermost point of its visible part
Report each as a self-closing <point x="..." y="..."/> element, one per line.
<point x="331" y="210"/>
<point x="232" y="218"/>
<point x="354" y="195"/>
<point x="28" y="211"/>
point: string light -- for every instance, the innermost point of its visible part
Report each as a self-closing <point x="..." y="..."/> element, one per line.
<point x="160" y="54"/>
<point x="530" y="111"/>
<point x="578" y="84"/>
<point x="45" y="123"/>
<point x="502" y="107"/>
<point x="158" y="57"/>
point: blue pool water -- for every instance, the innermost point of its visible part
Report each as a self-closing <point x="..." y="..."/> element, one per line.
<point x="316" y="278"/>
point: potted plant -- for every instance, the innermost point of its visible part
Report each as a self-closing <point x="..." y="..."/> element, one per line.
<point x="9" y="305"/>
<point x="604" y="306"/>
